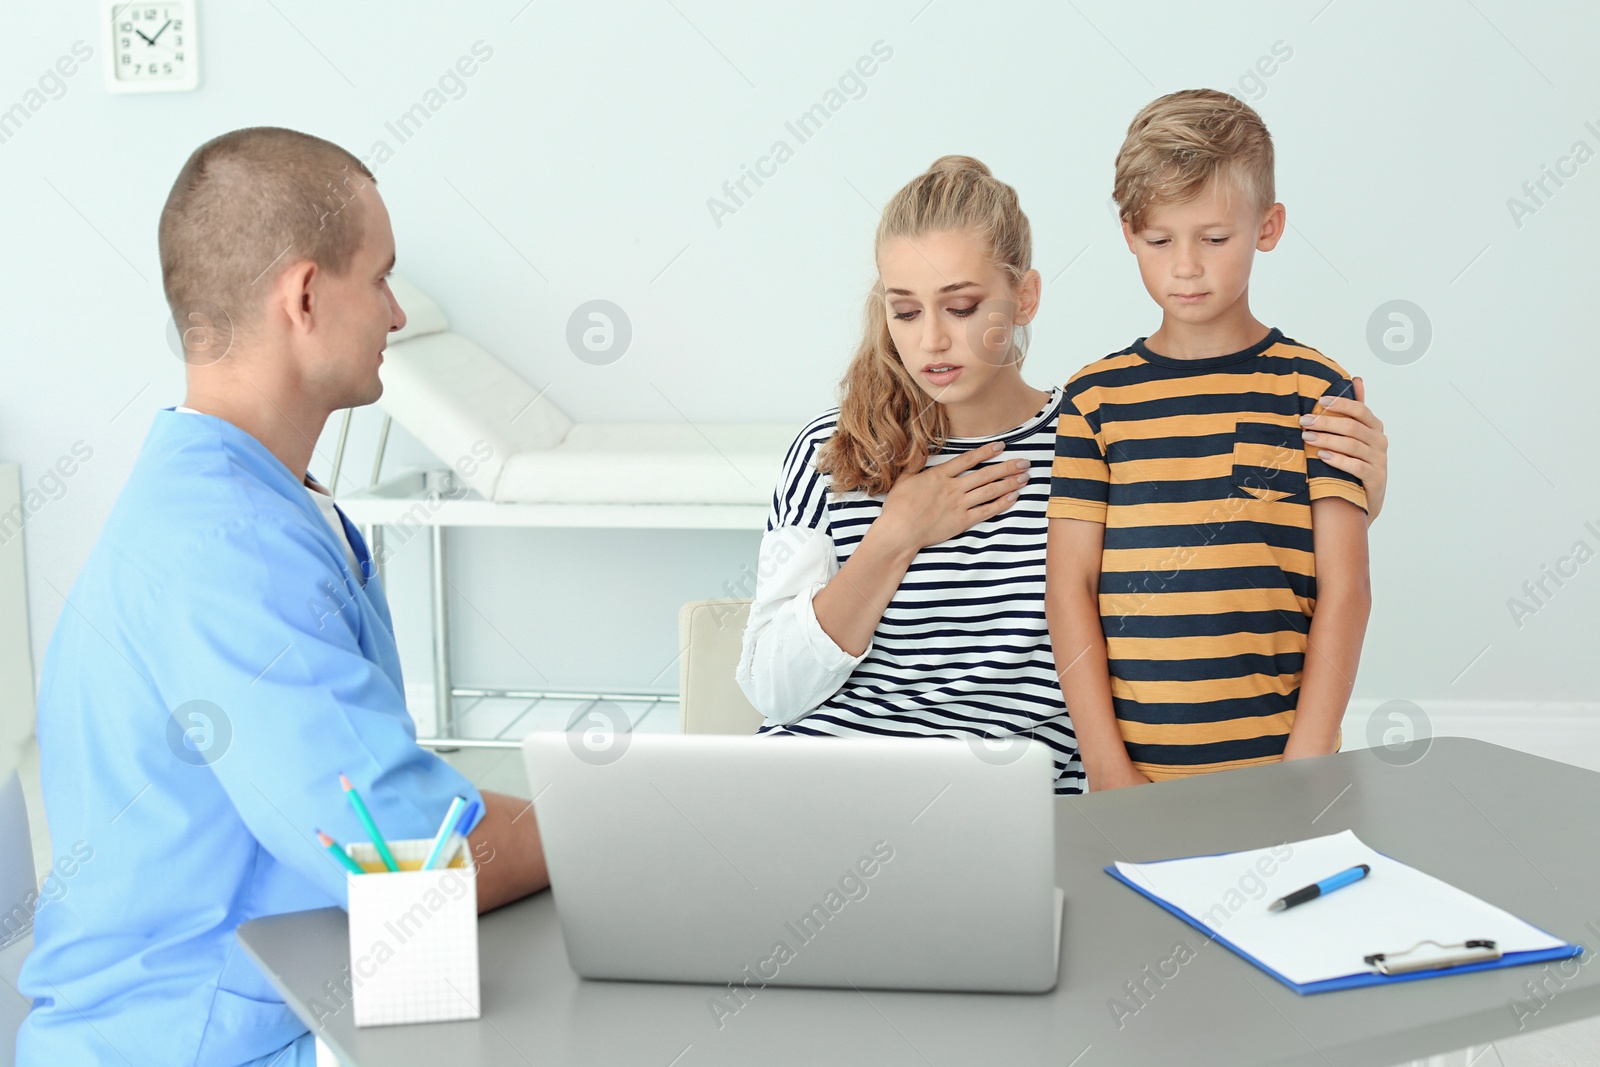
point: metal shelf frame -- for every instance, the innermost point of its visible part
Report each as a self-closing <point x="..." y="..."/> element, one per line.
<point x="435" y="499"/>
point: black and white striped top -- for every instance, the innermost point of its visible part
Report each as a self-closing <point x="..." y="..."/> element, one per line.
<point x="962" y="650"/>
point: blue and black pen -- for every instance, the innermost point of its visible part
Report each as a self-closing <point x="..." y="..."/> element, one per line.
<point x="1317" y="889"/>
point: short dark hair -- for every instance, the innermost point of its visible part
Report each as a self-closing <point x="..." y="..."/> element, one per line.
<point x="245" y="205"/>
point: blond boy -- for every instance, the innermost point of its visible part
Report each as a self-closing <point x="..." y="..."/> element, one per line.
<point x="1207" y="587"/>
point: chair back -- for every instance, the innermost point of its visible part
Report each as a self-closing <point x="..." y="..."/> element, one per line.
<point x="710" y="633"/>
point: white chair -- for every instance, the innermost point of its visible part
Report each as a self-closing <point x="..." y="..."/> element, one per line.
<point x="17" y="883"/>
<point x="709" y="636"/>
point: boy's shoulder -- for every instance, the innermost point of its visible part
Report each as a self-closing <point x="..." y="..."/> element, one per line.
<point x="1307" y="359"/>
<point x="1128" y="366"/>
<point x="1109" y="370"/>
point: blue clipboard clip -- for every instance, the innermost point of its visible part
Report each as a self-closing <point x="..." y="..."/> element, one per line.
<point x="1443" y="958"/>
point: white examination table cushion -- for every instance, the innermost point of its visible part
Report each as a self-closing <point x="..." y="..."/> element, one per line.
<point x="468" y="408"/>
<point x="651" y="463"/>
<point x="512" y="445"/>
<point x="422" y="314"/>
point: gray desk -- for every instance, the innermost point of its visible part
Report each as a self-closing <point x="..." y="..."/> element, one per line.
<point x="1517" y="830"/>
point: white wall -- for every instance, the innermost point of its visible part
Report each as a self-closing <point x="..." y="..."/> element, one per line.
<point x="578" y="164"/>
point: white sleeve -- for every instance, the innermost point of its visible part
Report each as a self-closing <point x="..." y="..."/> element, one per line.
<point x="788" y="665"/>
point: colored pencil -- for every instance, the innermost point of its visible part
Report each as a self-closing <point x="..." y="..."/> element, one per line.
<point x="340" y="854"/>
<point x="366" y="822"/>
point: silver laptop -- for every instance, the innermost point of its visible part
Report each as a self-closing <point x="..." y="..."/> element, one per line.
<point x="896" y="863"/>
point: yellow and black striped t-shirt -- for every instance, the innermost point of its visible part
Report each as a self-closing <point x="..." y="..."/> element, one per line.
<point x="1208" y="579"/>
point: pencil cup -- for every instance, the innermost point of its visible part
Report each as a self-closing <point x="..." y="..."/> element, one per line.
<point x="413" y="936"/>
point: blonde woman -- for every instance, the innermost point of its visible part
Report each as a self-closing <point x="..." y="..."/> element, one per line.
<point x="901" y="586"/>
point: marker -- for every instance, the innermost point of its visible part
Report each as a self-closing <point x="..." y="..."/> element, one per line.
<point x="446" y="828"/>
<point x="340" y="854"/>
<point x="467" y="817"/>
<point x="1317" y="889"/>
<point x="371" y="827"/>
<point x="458" y="833"/>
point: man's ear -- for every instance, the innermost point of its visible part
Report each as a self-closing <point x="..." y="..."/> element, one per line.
<point x="294" y="295"/>
<point x="1127" y="234"/>
<point x="1272" y="227"/>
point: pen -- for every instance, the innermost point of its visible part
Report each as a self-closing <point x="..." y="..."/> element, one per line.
<point x="340" y="854"/>
<point x="446" y="828"/>
<point x="1317" y="889"/>
<point x="371" y="827"/>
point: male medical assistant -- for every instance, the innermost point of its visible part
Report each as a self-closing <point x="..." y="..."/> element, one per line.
<point x="217" y="603"/>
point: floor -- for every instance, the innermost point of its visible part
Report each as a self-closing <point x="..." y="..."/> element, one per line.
<point x="500" y="770"/>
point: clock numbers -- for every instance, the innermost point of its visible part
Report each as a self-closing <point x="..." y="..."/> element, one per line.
<point x="150" y="42"/>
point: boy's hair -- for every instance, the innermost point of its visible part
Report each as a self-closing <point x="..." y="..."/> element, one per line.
<point x="1179" y="143"/>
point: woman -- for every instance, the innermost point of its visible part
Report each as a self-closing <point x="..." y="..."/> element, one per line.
<point x="901" y="586"/>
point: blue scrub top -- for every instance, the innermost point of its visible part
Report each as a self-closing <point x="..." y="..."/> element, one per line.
<point x="217" y="666"/>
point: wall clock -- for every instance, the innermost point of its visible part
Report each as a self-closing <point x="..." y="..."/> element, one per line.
<point x="150" y="47"/>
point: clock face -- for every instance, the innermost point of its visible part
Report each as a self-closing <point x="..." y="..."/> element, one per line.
<point x="151" y="43"/>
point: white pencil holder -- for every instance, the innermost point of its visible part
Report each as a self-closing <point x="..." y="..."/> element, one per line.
<point x="413" y="936"/>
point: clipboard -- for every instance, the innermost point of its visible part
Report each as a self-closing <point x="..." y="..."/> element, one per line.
<point x="1378" y="965"/>
<point x="1440" y="958"/>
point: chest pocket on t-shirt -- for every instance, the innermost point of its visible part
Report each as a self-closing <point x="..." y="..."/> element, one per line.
<point x="1269" y="461"/>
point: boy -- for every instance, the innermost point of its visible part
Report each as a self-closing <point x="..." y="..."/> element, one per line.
<point x="1206" y="573"/>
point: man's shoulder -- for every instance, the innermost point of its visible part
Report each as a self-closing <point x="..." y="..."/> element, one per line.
<point x="186" y="499"/>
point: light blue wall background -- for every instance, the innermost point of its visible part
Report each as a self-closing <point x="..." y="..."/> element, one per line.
<point x="577" y="164"/>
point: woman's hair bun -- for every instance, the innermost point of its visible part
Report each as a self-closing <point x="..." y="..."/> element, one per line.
<point x="957" y="164"/>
